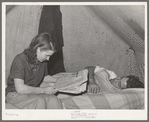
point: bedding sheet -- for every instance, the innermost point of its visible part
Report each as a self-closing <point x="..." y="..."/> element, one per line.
<point x="126" y="99"/>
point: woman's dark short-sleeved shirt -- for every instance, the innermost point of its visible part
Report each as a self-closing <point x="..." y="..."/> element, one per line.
<point x="32" y="74"/>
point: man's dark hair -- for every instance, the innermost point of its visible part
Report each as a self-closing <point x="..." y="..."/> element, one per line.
<point x="134" y="82"/>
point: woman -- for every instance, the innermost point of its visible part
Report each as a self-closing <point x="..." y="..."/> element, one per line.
<point x="28" y="72"/>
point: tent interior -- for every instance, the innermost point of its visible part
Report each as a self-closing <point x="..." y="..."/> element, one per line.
<point x="111" y="36"/>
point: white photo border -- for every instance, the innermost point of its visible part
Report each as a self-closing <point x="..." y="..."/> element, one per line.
<point x="64" y="114"/>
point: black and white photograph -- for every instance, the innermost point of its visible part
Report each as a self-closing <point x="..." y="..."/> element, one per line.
<point x="79" y="60"/>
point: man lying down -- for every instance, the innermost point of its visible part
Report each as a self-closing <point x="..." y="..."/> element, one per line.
<point x="103" y="80"/>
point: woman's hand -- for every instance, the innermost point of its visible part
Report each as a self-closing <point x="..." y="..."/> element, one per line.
<point x="48" y="81"/>
<point x="50" y="90"/>
<point x="93" y="88"/>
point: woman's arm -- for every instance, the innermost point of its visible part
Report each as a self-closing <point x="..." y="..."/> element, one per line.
<point x="48" y="81"/>
<point x="22" y="88"/>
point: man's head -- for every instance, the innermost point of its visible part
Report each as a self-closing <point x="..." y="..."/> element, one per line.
<point x="127" y="82"/>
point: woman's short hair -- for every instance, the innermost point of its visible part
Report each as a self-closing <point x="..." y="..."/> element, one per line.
<point x="43" y="41"/>
<point x="134" y="82"/>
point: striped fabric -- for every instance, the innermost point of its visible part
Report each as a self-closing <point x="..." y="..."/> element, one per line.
<point x="126" y="99"/>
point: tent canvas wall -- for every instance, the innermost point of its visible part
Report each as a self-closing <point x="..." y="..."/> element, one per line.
<point x="105" y="35"/>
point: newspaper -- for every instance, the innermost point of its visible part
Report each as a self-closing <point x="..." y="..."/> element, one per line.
<point x="74" y="82"/>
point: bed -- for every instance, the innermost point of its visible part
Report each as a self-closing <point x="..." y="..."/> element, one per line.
<point x="108" y="98"/>
<point x="127" y="99"/>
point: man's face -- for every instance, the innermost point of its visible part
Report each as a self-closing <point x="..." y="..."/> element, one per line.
<point x="120" y="83"/>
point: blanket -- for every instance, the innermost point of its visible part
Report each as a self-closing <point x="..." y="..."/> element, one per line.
<point x="126" y="99"/>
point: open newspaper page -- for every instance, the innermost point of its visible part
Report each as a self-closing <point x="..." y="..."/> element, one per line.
<point x="74" y="82"/>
